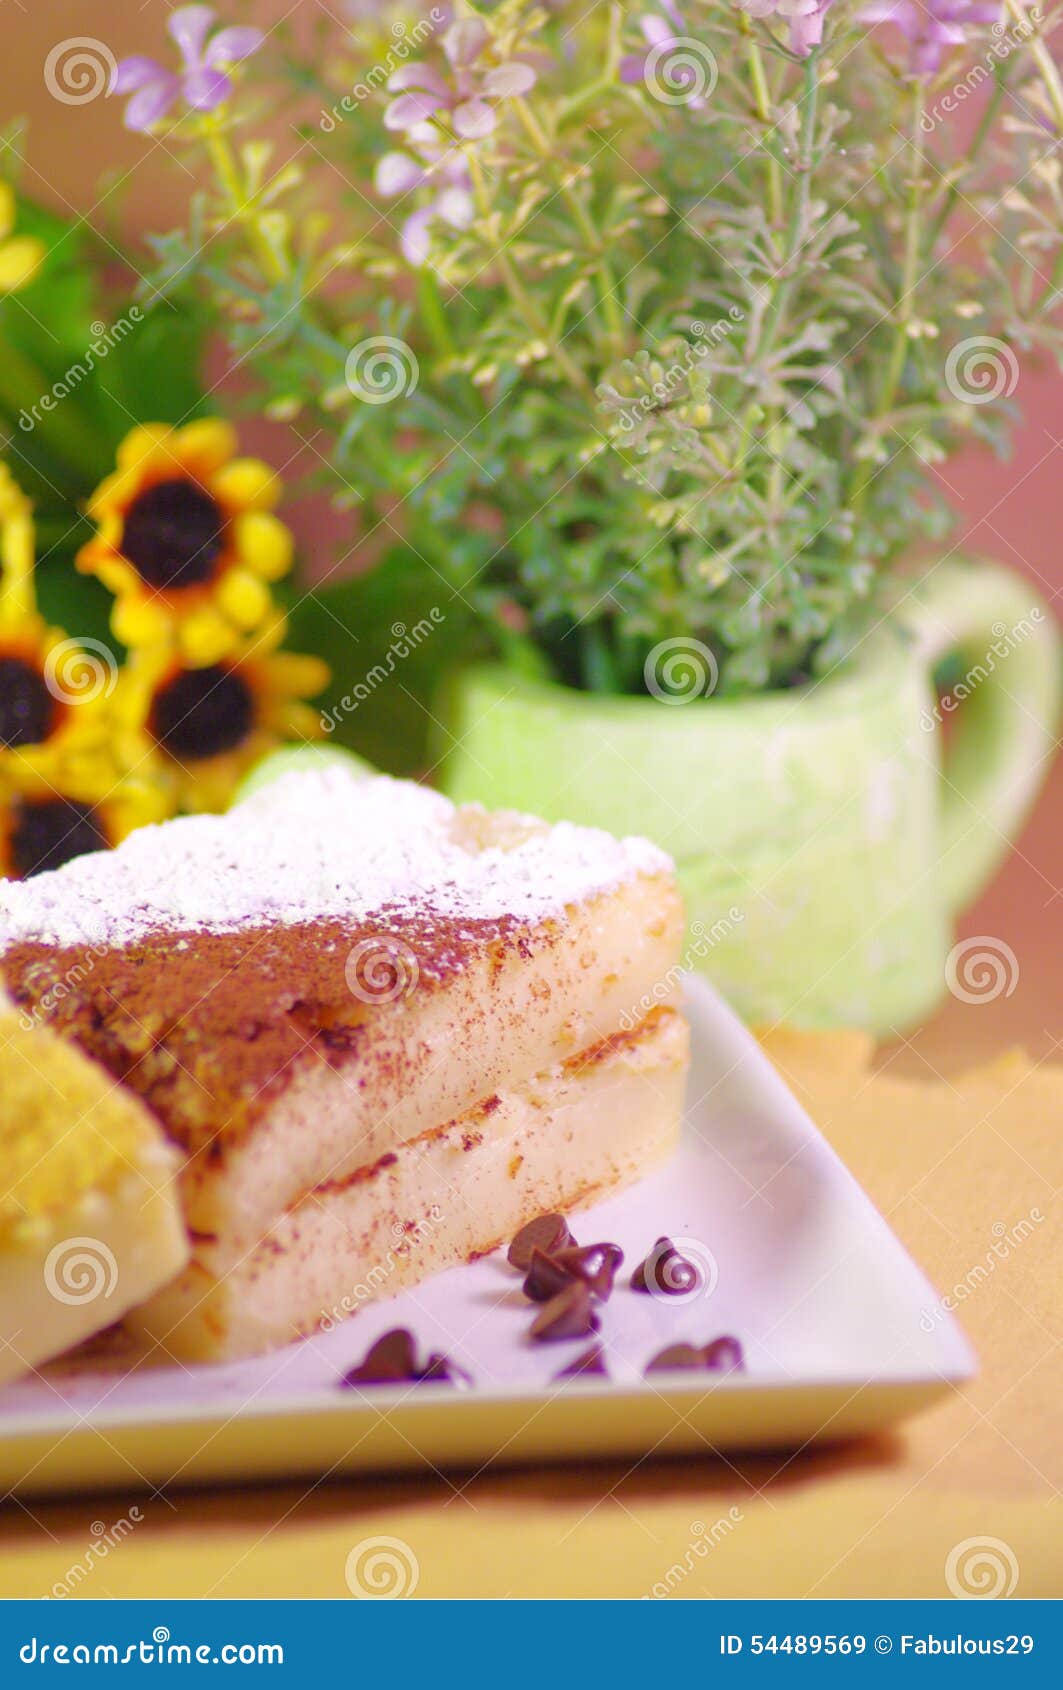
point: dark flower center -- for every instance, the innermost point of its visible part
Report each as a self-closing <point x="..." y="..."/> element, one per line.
<point x="48" y="833"/>
<point x="173" y="534"/>
<point x="202" y="712"/>
<point x="27" y="709"/>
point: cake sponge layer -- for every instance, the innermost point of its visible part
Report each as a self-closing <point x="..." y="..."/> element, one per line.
<point x="563" y="1139"/>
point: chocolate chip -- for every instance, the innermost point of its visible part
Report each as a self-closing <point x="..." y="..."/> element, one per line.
<point x="595" y="1264"/>
<point x="722" y="1355"/>
<point x="675" y="1356"/>
<point x="591" y="1361"/>
<point x="440" y="1370"/>
<point x="392" y="1360"/>
<point x="546" y="1232"/>
<point x="666" y="1272"/>
<point x="546" y="1276"/>
<point x="568" y="1315"/>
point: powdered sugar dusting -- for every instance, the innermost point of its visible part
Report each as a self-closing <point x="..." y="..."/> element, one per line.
<point x="316" y="843"/>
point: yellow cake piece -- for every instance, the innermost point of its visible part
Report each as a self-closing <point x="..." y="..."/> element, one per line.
<point x="90" y="1224"/>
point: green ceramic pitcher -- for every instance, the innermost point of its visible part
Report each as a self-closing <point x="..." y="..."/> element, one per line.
<point x="825" y="837"/>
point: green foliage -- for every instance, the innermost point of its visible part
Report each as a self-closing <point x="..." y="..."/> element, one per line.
<point x="81" y="362"/>
<point x="389" y="622"/>
<point x="688" y="364"/>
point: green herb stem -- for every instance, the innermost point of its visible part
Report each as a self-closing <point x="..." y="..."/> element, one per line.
<point x="913" y="248"/>
<point x="1041" y="56"/>
<point x="241" y="211"/>
<point x="591" y="238"/>
<point x="762" y="100"/>
<point x="796" y="227"/>
<point x="520" y="295"/>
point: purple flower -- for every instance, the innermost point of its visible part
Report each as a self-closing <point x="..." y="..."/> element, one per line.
<point x="660" y="32"/>
<point x="201" y="82"/>
<point x="467" y="99"/>
<point x="932" y="26"/>
<point x="805" y="18"/>
<point x="451" y="203"/>
<point x="423" y="92"/>
<point x="676" y="68"/>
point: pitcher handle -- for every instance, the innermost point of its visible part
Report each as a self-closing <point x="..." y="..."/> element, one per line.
<point x="1005" y="710"/>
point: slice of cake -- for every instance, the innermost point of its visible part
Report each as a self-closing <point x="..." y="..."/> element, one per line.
<point x="90" y="1224"/>
<point x="325" y="992"/>
<point x="590" y="1125"/>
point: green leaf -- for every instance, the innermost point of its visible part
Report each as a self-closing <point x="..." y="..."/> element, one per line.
<point x="152" y="374"/>
<point x="77" y="603"/>
<point x="389" y="637"/>
<point x="80" y="367"/>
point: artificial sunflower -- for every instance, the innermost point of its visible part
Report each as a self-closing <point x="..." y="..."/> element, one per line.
<point x="67" y="768"/>
<point x="21" y="256"/>
<point x="43" y="825"/>
<point x="43" y="685"/>
<point x="210" y="722"/>
<point x="187" y="540"/>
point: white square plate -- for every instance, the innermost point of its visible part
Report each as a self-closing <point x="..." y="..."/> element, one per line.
<point x="842" y="1333"/>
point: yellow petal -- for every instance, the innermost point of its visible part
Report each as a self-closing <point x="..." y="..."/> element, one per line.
<point x="139" y="444"/>
<point x="104" y="496"/>
<point x="243" y="597"/>
<point x="264" y="543"/>
<point x="17" y="549"/>
<point x="268" y="637"/>
<point x="139" y="621"/>
<point x="204" y="636"/>
<point x="20" y="258"/>
<point x="247" y="484"/>
<point x="207" y="444"/>
<point x="117" y="575"/>
<point x="300" y="674"/>
<point x="295" y="721"/>
<point x="7" y="209"/>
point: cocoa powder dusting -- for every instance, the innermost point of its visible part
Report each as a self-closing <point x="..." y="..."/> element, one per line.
<point x="209" y="1028"/>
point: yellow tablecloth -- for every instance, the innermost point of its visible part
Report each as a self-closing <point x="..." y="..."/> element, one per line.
<point x="956" y="1166"/>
